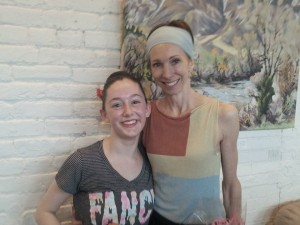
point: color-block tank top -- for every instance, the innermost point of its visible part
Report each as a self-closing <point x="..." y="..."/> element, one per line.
<point x="185" y="159"/>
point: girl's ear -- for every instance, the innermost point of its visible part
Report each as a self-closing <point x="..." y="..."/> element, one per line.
<point x="104" y="117"/>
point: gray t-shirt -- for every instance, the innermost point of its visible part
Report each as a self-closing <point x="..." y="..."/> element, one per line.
<point x="100" y="194"/>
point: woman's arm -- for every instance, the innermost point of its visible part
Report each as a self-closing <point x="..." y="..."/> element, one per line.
<point x="49" y="204"/>
<point x="229" y="124"/>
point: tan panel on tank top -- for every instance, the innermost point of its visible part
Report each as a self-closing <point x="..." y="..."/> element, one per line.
<point x="202" y="157"/>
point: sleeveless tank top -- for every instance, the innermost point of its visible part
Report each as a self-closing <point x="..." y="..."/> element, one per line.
<point x="185" y="159"/>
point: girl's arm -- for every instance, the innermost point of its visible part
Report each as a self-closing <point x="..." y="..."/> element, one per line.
<point x="49" y="205"/>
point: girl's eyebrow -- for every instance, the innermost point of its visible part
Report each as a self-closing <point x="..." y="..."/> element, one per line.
<point x="138" y="95"/>
<point x="131" y="96"/>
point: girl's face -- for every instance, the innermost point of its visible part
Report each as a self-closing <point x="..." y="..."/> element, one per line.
<point x="170" y="68"/>
<point x="125" y="109"/>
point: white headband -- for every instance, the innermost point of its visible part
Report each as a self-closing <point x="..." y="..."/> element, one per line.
<point x="172" y="35"/>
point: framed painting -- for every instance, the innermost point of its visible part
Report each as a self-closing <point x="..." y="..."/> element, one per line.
<point x="248" y="53"/>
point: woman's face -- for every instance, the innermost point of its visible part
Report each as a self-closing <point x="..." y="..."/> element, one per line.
<point x="170" y="68"/>
<point x="125" y="109"/>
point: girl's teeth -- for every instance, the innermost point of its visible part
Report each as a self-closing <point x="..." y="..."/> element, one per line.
<point x="130" y="122"/>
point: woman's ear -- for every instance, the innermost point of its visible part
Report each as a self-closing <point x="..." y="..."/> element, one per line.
<point x="148" y="109"/>
<point x="191" y="65"/>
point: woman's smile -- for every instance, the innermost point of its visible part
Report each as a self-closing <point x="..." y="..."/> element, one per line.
<point x="171" y="83"/>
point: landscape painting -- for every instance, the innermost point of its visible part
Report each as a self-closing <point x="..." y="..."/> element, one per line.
<point x="248" y="53"/>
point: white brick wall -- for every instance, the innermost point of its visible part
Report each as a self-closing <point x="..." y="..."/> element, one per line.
<point x="53" y="56"/>
<point x="269" y="169"/>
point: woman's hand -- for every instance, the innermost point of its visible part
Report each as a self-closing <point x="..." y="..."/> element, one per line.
<point x="220" y="221"/>
<point x="236" y="220"/>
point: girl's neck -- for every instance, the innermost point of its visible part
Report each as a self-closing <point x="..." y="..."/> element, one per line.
<point x="124" y="157"/>
<point x="121" y="147"/>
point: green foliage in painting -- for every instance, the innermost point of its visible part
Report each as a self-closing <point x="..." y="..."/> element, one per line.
<point x="265" y="97"/>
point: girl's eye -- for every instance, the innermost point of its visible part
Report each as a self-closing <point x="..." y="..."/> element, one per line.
<point x="134" y="102"/>
<point x="175" y="61"/>
<point x="116" y="105"/>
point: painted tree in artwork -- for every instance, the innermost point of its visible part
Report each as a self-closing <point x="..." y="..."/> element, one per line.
<point x="254" y="43"/>
<point x="134" y="53"/>
<point x="278" y="52"/>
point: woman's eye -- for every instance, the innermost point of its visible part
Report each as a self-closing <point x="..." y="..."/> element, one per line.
<point x="175" y="61"/>
<point x="155" y="65"/>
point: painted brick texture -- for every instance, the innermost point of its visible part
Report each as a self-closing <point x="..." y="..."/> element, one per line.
<point x="53" y="56"/>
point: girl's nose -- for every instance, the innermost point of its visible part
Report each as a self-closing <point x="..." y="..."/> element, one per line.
<point x="127" y="109"/>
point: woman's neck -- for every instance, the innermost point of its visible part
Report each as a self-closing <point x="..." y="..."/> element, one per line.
<point x="178" y="105"/>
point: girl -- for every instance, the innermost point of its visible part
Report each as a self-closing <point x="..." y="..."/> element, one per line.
<point x="110" y="180"/>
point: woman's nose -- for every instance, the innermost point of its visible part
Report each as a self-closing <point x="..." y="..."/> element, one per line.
<point x="166" y="72"/>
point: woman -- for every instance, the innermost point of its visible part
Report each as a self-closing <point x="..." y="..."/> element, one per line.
<point x="188" y="137"/>
<point x="110" y="180"/>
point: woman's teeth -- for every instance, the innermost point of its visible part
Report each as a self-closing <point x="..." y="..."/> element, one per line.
<point x="170" y="84"/>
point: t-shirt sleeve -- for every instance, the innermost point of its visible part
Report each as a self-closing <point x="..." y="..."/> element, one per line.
<point x="69" y="175"/>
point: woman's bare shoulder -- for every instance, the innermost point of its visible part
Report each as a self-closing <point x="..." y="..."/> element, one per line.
<point x="228" y="113"/>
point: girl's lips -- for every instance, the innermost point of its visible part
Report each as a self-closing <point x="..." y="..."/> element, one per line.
<point x="130" y="122"/>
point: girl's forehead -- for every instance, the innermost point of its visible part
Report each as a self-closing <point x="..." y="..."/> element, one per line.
<point x="123" y="87"/>
<point x="124" y="82"/>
